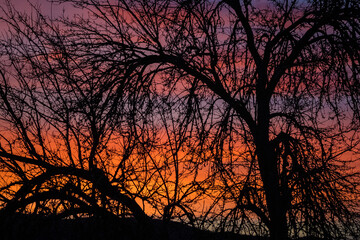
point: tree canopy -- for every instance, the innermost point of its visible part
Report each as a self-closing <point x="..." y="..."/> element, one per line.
<point x="238" y="116"/>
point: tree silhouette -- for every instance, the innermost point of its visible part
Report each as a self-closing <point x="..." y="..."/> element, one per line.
<point x="250" y="106"/>
<point x="59" y="116"/>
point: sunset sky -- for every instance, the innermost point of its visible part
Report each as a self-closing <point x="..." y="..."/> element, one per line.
<point x="182" y="110"/>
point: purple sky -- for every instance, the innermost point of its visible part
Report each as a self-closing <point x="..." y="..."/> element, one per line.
<point x="46" y="7"/>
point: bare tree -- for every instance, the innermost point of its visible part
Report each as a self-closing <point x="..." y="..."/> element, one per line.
<point x="79" y="135"/>
<point x="61" y="118"/>
<point x="252" y="105"/>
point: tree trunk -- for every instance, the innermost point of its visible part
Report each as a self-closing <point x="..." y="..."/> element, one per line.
<point x="270" y="177"/>
<point x="274" y="201"/>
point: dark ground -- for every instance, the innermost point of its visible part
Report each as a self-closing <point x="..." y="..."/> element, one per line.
<point x="29" y="227"/>
<point x="26" y="227"/>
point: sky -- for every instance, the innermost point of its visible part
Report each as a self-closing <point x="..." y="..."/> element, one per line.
<point x="48" y="8"/>
<point x="55" y="10"/>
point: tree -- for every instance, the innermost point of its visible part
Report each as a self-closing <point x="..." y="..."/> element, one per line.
<point x="59" y="116"/>
<point x="78" y="136"/>
<point x="267" y="94"/>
